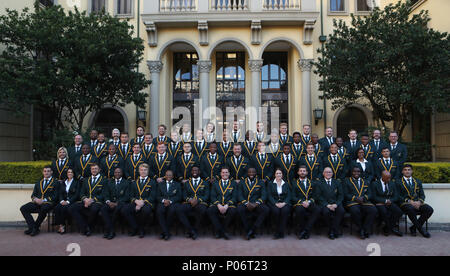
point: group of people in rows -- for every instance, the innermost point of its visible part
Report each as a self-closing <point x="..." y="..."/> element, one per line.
<point x="193" y="177"/>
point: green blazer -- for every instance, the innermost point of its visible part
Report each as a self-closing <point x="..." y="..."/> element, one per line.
<point x="254" y="193"/>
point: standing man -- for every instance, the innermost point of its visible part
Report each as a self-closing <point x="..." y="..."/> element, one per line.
<point x="185" y="162"/>
<point x="386" y="163"/>
<point x="249" y="145"/>
<point x="304" y="201"/>
<point x="85" y="161"/>
<point x="399" y="151"/>
<point x="236" y="135"/>
<point x="94" y="135"/>
<point x="195" y="202"/>
<point x="175" y="147"/>
<point x="160" y="163"/>
<point x="186" y="135"/>
<point x="377" y="143"/>
<point x="200" y="146"/>
<point x="285" y="138"/>
<point x="223" y="202"/>
<point x="274" y="147"/>
<point x="211" y="164"/>
<point x="139" y="136"/>
<point x="353" y="144"/>
<point x="384" y="196"/>
<point x="412" y="201"/>
<point x="225" y="147"/>
<point x="251" y="198"/>
<point x="101" y="149"/>
<point x="116" y="196"/>
<point x="111" y="162"/>
<point x="330" y="197"/>
<point x="306" y="136"/>
<point x="115" y="137"/>
<point x="161" y="138"/>
<point x="297" y="148"/>
<point x="75" y="150"/>
<point x="328" y="140"/>
<point x="133" y="162"/>
<point x="317" y="146"/>
<point x="125" y="148"/>
<point x="238" y="164"/>
<point x="168" y="196"/>
<point x="148" y="148"/>
<point x="85" y="212"/>
<point x="210" y="135"/>
<point x="43" y="200"/>
<point x="369" y="152"/>
<point x="312" y="163"/>
<point x="261" y="136"/>
<point x="336" y="163"/>
<point x="263" y="163"/>
<point x="287" y="163"/>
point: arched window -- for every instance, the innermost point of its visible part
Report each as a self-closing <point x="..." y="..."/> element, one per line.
<point x="108" y="119"/>
<point x="351" y="118"/>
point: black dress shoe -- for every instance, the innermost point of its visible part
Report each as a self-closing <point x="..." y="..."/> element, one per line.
<point x="331" y="236"/>
<point x="250" y="234"/>
<point x="35" y="232"/>
<point x="28" y="232"/>
<point x="194" y="235"/>
<point x="386" y="231"/>
<point x="111" y="236"/>
<point x="425" y="234"/>
<point x="304" y="235"/>
<point x="87" y="232"/>
<point x="167" y="237"/>
<point x="225" y="236"/>
<point x="396" y="232"/>
<point x="105" y="236"/>
<point x="162" y="236"/>
<point x="141" y="234"/>
<point x="218" y="235"/>
<point x="366" y="234"/>
<point x="132" y="233"/>
<point x="276" y="236"/>
<point x="413" y="231"/>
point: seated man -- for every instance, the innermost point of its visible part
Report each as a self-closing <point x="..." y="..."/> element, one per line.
<point x="196" y="197"/>
<point x="412" y="201"/>
<point x="116" y="195"/>
<point x="384" y="195"/>
<point x="330" y="197"/>
<point x="85" y="211"/>
<point x="304" y="201"/>
<point x="223" y="202"/>
<point x="142" y="196"/>
<point x="168" y="196"/>
<point x="43" y="200"/>
<point x="251" y="198"/>
<point x="357" y="196"/>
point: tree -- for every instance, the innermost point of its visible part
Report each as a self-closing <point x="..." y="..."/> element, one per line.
<point x="70" y="63"/>
<point x="390" y="61"/>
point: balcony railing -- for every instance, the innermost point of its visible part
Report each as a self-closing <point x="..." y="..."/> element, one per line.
<point x="229" y="5"/>
<point x="178" y="5"/>
<point x="276" y="5"/>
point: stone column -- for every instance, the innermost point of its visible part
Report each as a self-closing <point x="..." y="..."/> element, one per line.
<point x="204" y="67"/>
<point x="155" y="67"/>
<point x="305" y="66"/>
<point x="255" y="67"/>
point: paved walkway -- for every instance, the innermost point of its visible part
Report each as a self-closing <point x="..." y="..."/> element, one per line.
<point x="14" y="242"/>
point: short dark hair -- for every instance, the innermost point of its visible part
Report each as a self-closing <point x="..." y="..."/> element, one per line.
<point x="408" y="166"/>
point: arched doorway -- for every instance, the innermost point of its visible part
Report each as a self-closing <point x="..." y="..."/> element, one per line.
<point x="108" y="119"/>
<point x="351" y="118"/>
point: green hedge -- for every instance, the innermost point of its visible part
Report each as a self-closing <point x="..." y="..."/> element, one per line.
<point x="29" y="172"/>
<point x="21" y="172"/>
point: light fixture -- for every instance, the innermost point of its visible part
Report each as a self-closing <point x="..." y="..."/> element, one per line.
<point x="142" y="115"/>
<point x="318" y="113"/>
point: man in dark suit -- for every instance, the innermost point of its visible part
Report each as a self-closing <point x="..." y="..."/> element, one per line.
<point x="43" y="200"/>
<point x="148" y="148"/>
<point x="111" y="162"/>
<point x="185" y="162"/>
<point x="312" y="163"/>
<point x="412" y="201"/>
<point x="377" y="143"/>
<point x="225" y="148"/>
<point x="139" y="136"/>
<point x="288" y="164"/>
<point x="86" y="211"/>
<point x="357" y="197"/>
<point x="336" y="163"/>
<point x="342" y="150"/>
<point x="85" y="161"/>
<point x="353" y="144"/>
<point x="386" y="163"/>
<point x="251" y="198"/>
<point x="238" y="164"/>
<point x="327" y="140"/>
<point x="199" y="146"/>
<point x="285" y="138"/>
<point x="330" y="198"/>
<point x="161" y="138"/>
<point x="115" y="196"/>
<point x="211" y="164"/>
<point x="124" y="149"/>
<point x="160" y="163"/>
<point x="263" y="163"/>
<point x="384" y="196"/>
<point x="306" y="135"/>
<point x="304" y="202"/>
<point x="399" y="151"/>
<point x="195" y="202"/>
<point x="133" y="162"/>
<point x="75" y="150"/>
<point x="168" y="196"/>
<point x="93" y="142"/>
<point x="223" y="202"/>
<point x="142" y="194"/>
<point x="249" y="145"/>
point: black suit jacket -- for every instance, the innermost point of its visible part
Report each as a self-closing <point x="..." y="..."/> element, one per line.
<point x="74" y="192"/>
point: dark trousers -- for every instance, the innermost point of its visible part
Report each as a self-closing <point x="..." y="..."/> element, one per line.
<point x="137" y="219"/>
<point x="184" y="211"/>
<point x="363" y="216"/>
<point x="33" y="208"/>
<point x="280" y="217"/>
<point x="390" y="214"/>
<point x="261" y="211"/>
<point x="61" y="213"/>
<point x="306" y="217"/>
<point x="333" y="219"/>
<point x="425" y="211"/>
<point x="110" y="215"/>
<point x="214" y="214"/>
<point x="166" y="215"/>
<point x="85" y="217"/>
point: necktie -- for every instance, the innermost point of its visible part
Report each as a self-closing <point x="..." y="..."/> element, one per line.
<point x="84" y="158"/>
<point x="353" y="144"/>
<point x="376" y="144"/>
<point x="147" y="148"/>
<point x="334" y="159"/>
<point x="94" y="179"/>
<point x="329" y="182"/>
<point x="359" y="184"/>
<point x="386" y="188"/>
<point x="213" y="158"/>
<point x="110" y="159"/>
<point x="198" y="145"/>
<point x="393" y="147"/>
<point x="304" y="184"/>
<point x="261" y="156"/>
<point x="117" y="182"/>
<point x="168" y="186"/>
<point x="60" y="163"/>
<point x="136" y="158"/>
<point x="410" y="183"/>
<point x="77" y="149"/>
<point x="195" y="183"/>
<point x="310" y="159"/>
<point x="123" y="149"/>
<point x="186" y="158"/>
<point x="45" y="183"/>
<point x="236" y="160"/>
<point x="160" y="159"/>
<point x="235" y="136"/>
<point x="387" y="162"/>
<point x="225" y="184"/>
<point x="286" y="160"/>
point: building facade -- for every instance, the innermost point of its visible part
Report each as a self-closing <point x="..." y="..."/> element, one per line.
<point x="246" y="53"/>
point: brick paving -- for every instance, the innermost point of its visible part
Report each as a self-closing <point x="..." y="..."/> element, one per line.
<point x="14" y="242"/>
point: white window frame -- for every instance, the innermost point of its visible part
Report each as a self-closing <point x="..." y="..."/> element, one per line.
<point x="344" y="12"/>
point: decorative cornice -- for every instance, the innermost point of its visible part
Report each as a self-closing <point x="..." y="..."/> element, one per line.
<point x="255" y="65"/>
<point x="204" y="66"/>
<point x="305" y="64"/>
<point x="155" y="66"/>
